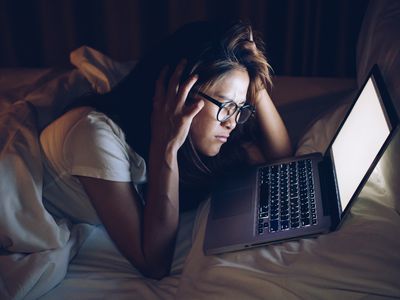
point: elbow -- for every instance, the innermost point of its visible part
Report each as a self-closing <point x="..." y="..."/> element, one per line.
<point x="281" y="153"/>
<point x="156" y="273"/>
<point x="153" y="271"/>
<point x="285" y="150"/>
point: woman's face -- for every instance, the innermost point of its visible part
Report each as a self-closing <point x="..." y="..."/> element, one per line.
<point x="207" y="133"/>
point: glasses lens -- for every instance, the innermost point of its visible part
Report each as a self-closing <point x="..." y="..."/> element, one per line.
<point x="226" y="111"/>
<point x="243" y="115"/>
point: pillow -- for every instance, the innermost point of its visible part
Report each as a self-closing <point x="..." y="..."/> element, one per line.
<point x="25" y="225"/>
<point x="320" y="134"/>
<point x="379" y="43"/>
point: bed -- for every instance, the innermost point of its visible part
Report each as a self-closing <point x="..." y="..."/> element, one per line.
<point x="43" y="257"/>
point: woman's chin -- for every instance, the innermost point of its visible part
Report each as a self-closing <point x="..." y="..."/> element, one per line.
<point x="210" y="152"/>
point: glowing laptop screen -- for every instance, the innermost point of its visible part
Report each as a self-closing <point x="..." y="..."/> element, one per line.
<point x="359" y="141"/>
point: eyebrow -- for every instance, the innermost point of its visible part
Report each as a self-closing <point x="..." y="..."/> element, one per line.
<point x="226" y="98"/>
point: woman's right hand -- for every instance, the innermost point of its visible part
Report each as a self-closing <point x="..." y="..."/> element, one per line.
<point x="171" y="117"/>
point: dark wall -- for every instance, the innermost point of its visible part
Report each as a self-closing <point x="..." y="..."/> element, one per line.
<point x="303" y="37"/>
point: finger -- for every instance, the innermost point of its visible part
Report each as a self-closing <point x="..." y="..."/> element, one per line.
<point x="159" y="94"/>
<point x="193" y="110"/>
<point x="173" y="85"/>
<point x="184" y="90"/>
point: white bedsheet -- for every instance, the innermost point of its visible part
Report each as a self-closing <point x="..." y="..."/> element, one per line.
<point x="99" y="270"/>
<point x="360" y="261"/>
<point x="30" y="275"/>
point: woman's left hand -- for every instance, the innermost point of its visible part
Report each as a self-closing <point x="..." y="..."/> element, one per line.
<point x="275" y="138"/>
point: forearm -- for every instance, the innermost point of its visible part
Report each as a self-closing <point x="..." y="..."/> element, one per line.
<point x="275" y="141"/>
<point x="171" y="120"/>
<point x="161" y="211"/>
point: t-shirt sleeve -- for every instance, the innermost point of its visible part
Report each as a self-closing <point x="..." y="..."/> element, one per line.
<point x="96" y="148"/>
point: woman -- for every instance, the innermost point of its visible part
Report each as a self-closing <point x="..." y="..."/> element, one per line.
<point x="206" y="112"/>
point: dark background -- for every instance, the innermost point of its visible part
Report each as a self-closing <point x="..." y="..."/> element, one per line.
<point x="302" y="37"/>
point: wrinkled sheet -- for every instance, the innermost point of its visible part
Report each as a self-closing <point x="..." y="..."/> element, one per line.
<point x="99" y="270"/>
<point x="31" y="275"/>
<point x="359" y="261"/>
<point x="35" y="249"/>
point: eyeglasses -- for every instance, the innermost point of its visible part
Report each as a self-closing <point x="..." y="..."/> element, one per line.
<point x="230" y="108"/>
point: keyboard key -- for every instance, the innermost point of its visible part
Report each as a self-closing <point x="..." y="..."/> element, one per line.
<point x="285" y="206"/>
<point x="295" y="224"/>
<point x="305" y="222"/>
<point x="285" y="225"/>
<point x="284" y="218"/>
<point x="305" y="215"/>
<point x="273" y="226"/>
<point x="275" y="215"/>
<point x="285" y="212"/>
<point x="304" y="208"/>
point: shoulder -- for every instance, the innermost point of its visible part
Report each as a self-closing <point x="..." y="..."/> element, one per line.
<point x="83" y="123"/>
<point x="95" y="147"/>
<point x="93" y="129"/>
<point x="86" y="132"/>
<point x="90" y="120"/>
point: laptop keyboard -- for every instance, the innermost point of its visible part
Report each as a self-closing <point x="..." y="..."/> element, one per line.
<point x="287" y="197"/>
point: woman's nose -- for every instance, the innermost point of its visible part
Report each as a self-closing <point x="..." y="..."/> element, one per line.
<point x="230" y="123"/>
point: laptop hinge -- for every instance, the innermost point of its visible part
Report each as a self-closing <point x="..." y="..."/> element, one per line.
<point x="328" y="191"/>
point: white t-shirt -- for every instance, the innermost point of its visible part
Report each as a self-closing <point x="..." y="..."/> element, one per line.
<point x="86" y="143"/>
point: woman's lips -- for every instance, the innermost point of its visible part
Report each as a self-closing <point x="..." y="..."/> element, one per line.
<point x="222" y="138"/>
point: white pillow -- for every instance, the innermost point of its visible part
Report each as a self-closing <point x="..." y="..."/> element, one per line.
<point x="25" y="225"/>
<point x="320" y="134"/>
<point x="379" y="43"/>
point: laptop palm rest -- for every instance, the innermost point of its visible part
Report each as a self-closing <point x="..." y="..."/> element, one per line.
<point x="235" y="199"/>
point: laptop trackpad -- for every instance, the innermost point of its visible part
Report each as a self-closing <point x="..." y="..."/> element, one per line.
<point x="232" y="203"/>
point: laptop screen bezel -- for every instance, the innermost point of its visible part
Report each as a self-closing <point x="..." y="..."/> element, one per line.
<point x="392" y="119"/>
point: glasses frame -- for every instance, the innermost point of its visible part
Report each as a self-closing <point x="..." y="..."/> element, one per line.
<point x="221" y="105"/>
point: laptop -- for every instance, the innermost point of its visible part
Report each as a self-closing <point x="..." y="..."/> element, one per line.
<point x="306" y="195"/>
